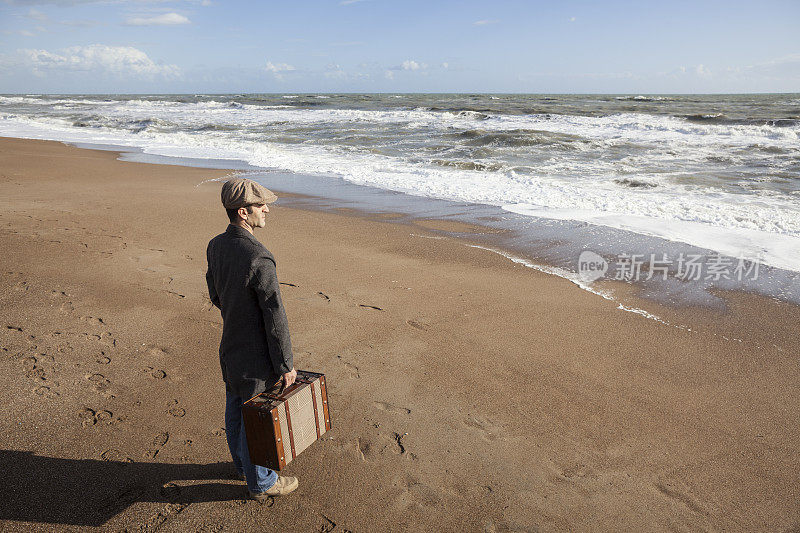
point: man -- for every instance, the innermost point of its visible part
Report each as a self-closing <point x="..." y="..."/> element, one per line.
<point x="255" y="351"/>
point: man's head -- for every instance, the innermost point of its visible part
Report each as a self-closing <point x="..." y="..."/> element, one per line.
<point x="246" y="202"/>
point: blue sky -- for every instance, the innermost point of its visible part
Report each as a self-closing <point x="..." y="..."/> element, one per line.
<point x="198" y="46"/>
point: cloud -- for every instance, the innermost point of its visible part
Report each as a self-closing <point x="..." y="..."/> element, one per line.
<point x="26" y="33"/>
<point x="778" y="65"/>
<point x="701" y="70"/>
<point x="167" y="19"/>
<point x="117" y="60"/>
<point x="278" y="67"/>
<point x="572" y="19"/>
<point x="484" y="22"/>
<point x="348" y="2"/>
<point x="408" y="64"/>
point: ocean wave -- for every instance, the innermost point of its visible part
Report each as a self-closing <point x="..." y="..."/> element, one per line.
<point x="719" y="118"/>
<point x="635" y="184"/>
<point x="642" y="98"/>
<point x="519" y="138"/>
<point x="469" y="165"/>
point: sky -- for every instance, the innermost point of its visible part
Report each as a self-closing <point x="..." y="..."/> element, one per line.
<point x="217" y="46"/>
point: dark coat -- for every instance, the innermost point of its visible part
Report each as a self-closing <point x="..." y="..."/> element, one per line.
<point x="255" y="349"/>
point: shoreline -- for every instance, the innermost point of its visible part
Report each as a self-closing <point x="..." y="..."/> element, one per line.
<point x="516" y="236"/>
<point x="479" y="395"/>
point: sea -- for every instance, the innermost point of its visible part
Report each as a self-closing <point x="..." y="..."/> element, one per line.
<point x="634" y="188"/>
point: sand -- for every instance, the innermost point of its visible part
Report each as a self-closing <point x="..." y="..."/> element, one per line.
<point x="468" y="393"/>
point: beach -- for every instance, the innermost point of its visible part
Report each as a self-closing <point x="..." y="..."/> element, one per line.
<point x="468" y="392"/>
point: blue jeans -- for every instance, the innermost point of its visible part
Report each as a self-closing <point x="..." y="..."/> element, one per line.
<point x="259" y="478"/>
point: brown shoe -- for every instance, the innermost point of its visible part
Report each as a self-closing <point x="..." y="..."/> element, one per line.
<point x="283" y="486"/>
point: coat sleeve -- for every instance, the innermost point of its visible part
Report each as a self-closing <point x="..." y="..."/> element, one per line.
<point x="264" y="281"/>
<point x="212" y="290"/>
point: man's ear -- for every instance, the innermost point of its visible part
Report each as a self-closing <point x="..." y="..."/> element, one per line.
<point x="242" y="212"/>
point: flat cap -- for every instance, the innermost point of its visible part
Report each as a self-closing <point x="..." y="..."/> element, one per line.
<point x="242" y="192"/>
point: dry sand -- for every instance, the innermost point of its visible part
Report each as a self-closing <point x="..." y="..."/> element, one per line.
<point x="468" y="393"/>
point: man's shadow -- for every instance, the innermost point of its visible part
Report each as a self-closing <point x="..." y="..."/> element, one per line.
<point x="89" y="492"/>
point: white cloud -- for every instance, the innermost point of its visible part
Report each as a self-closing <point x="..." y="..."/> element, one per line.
<point x="409" y="65"/>
<point x="26" y="33"/>
<point x="348" y="2"/>
<point x="389" y="75"/>
<point x="445" y="65"/>
<point x="774" y="66"/>
<point x="117" y="60"/>
<point x="278" y="67"/>
<point x="700" y="70"/>
<point x="167" y="19"/>
<point x="572" y="19"/>
<point x="484" y="22"/>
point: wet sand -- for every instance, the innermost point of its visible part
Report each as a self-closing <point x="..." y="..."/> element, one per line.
<point x="469" y="393"/>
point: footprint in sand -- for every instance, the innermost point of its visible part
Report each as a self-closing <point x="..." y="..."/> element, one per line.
<point x="679" y="491"/>
<point x="90" y="417"/>
<point x="177" y="412"/>
<point x="353" y="369"/>
<point x="99" y="381"/>
<point x="157" y="444"/>
<point x="488" y="430"/>
<point x="158" y="351"/>
<point x="363" y="448"/>
<point x="418" y="325"/>
<point x="46" y="392"/>
<point x="87" y="417"/>
<point x="415" y="495"/>
<point x="29" y="363"/>
<point x="155" y="373"/>
<point x="115" y="455"/>
<point x="386" y="406"/>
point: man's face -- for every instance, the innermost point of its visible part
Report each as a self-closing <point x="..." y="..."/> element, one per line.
<point x="257" y="215"/>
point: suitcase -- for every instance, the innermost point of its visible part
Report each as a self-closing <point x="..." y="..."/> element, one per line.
<point x="281" y="424"/>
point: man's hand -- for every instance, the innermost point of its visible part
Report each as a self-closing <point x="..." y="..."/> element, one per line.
<point x="289" y="377"/>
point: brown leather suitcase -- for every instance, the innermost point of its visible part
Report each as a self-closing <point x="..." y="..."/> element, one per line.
<point x="281" y="424"/>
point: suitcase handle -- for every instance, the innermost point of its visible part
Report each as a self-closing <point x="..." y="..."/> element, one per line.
<point x="298" y="381"/>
